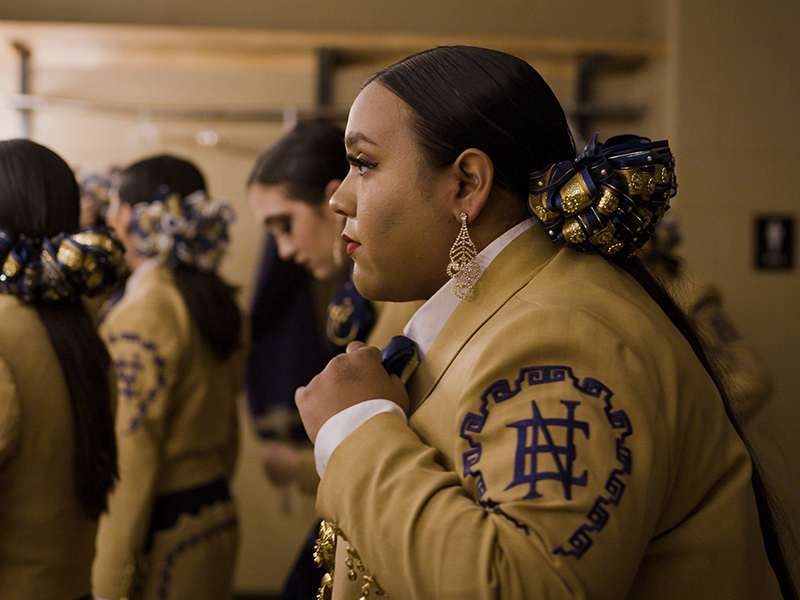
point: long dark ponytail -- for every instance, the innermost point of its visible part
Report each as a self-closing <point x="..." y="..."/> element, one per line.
<point x="465" y="97"/>
<point x="39" y="198"/>
<point x="210" y="300"/>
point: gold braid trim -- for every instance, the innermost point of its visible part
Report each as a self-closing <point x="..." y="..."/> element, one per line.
<point x="325" y="557"/>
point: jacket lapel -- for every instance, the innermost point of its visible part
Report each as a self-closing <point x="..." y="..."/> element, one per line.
<point x="509" y="272"/>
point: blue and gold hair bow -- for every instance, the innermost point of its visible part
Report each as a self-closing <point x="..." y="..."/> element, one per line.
<point x="65" y="267"/>
<point x="609" y="198"/>
<point x="190" y="230"/>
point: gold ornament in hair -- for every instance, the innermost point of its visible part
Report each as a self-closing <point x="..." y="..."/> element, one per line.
<point x="190" y="230"/>
<point x="609" y="199"/>
<point x="65" y="267"/>
<point x="463" y="268"/>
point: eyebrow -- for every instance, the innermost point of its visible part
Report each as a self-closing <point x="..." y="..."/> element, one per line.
<point x="273" y="220"/>
<point x="353" y="138"/>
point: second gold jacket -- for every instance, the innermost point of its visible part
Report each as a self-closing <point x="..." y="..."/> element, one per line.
<point x="176" y="421"/>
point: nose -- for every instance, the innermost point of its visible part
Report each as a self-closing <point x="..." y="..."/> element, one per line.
<point x="286" y="249"/>
<point x="342" y="201"/>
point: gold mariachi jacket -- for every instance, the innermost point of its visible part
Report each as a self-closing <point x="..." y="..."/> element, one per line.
<point x="176" y="418"/>
<point x="46" y="538"/>
<point x="564" y="442"/>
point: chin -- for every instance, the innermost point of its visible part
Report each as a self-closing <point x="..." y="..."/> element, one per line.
<point x="324" y="272"/>
<point x="379" y="290"/>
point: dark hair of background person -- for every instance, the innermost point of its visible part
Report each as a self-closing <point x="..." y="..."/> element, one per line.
<point x="39" y="198"/>
<point x="209" y="299"/>
<point x="306" y="159"/>
<point x="464" y="97"/>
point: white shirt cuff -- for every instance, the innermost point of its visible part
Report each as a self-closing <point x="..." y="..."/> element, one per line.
<point x="343" y="423"/>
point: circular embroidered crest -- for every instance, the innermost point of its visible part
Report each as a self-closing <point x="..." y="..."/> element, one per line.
<point x="548" y="436"/>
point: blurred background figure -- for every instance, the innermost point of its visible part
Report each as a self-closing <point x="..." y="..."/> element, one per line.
<point x="292" y="340"/>
<point x="58" y="457"/>
<point x="95" y="187"/>
<point x="176" y="341"/>
<point x="748" y="381"/>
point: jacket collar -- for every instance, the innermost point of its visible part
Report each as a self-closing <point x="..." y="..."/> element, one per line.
<point x="513" y="268"/>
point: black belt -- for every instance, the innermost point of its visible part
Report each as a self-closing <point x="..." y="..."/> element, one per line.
<point x="169" y="507"/>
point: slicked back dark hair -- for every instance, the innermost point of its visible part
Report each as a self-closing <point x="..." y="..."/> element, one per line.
<point x="306" y="159"/>
<point x="464" y="97"/>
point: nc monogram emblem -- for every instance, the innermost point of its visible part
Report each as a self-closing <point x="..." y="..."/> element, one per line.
<point x="562" y="416"/>
<point x="534" y="436"/>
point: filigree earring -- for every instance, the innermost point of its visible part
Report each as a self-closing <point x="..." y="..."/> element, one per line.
<point x="463" y="268"/>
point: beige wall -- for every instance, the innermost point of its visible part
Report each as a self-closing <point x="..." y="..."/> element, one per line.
<point x="735" y="116"/>
<point x="725" y="95"/>
<point x="575" y="18"/>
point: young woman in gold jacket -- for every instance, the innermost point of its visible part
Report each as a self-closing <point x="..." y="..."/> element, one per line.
<point x="563" y="436"/>
<point x="175" y="338"/>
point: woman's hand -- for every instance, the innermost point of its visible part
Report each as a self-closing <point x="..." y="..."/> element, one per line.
<point x="349" y="379"/>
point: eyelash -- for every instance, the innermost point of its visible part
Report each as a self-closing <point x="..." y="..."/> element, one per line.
<point x="362" y="165"/>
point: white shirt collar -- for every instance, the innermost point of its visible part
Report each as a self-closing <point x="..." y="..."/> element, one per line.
<point x="142" y="270"/>
<point x="428" y="321"/>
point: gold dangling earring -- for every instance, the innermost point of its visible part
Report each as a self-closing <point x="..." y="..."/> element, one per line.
<point x="463" y="268"/>
<point x="338" y="243"/>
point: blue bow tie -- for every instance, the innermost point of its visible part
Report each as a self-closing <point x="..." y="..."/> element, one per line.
<point x="400" y="357"/>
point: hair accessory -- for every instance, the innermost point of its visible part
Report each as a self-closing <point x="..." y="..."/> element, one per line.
<point x="463" y="267"/>
<point x="609" y="198"/>
<point x="191" y="231"/>
<point x="95" y="188"/>
<point x="84" y="263"/>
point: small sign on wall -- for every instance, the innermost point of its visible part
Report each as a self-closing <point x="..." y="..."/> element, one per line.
<point x="775" y="242"/>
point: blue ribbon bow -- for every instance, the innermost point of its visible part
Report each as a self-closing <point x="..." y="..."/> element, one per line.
<point x="609" y="198"/>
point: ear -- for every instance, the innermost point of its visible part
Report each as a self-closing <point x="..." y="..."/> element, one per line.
<point x="475" y="172"/>
<point x="331" y="187"/>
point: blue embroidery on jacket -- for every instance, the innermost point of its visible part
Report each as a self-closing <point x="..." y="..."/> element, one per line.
<point x="525" y="468"/>
<point x="130" y="366"/>
<point x="526" y="465"/>
<point x="164" y="577"/>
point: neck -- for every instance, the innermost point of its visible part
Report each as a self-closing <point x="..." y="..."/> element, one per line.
<point x="135" y="260"/>
<point x="495" y="219"/>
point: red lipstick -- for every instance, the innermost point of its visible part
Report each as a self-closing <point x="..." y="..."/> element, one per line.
<point x="351" y="245"/>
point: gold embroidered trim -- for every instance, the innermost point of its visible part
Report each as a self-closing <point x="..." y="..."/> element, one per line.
<point x="325" y="556"/>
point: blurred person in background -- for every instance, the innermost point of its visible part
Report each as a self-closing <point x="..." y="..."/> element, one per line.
<point x="749" y="383"/>
<point x="289" y="189"/>
<point x="176" y="341"/>
<point x="58" y="455"/>
<point x="95" y="186"/>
